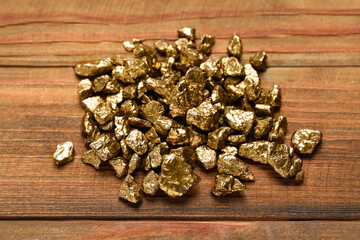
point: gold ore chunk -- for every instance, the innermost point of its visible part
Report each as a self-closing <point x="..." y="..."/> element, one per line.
<point x="235" y="47"/>
<point x="239" y="120"/>
<point x="151" y="183"/>
<point x="278" y="130"/>
<point x="64" y="153"/>
<point x="106" y="146"/>
<point x="137" y="141"/>
<point x="206" y="44"/>
<point x="187" y="32"/>
<point x="205" y="117"/>
<point x="306" y="140"/>
<point x="206" y="156"/>
<point x="230" y="164"/>
<point x="259" y="61"/>
<point x="177" y="177"/>
<point x="134" y="163"/>
<point x="226" y="184"/>
<point x="217" y="138"/>
<point x="85" y="89"/>
<point x="130" y="190"/>
<point x="120" y="165"/>
<point x="94" y="69"/>
<point x="91" y="158"/>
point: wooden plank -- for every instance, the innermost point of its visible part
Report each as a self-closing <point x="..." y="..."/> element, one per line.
<point x="92" y="230"/>
<point x="39" y="108"/>
<point x="125" y="12"/>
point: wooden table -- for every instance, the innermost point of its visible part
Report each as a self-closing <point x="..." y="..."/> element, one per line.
<point x="314" y="55"/>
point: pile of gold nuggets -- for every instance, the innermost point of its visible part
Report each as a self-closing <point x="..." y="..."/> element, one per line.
<point x="173" y="107"/>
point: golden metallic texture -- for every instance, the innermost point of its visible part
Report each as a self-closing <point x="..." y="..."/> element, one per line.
<point x="137" y="141"/>
<point x="230" y="164"/>
<point x="100" y="82"/>
<point x="262" y="126"/>
<point x="256" y="151"/>
<point x="306" y="140"/>
<point x="178" y="136"/>
<point x="157" y="153"/>
<point x="129" y="108"/>
<point x="218" y="94"/>
<point x="259" y="61"/>
<point x="217" y="138"/>
<point x="120" y="165"/>
<point x="151" y="183"/>
<point x="235" y="47"/>
<point x="273" y="96"/>
<point x="103" y="113"/>
<point x="115" y="100"/>
<point x="205" y="117"/>
<point x="85" y="89"/>
<point x="177" y="177"/>
<point x="142" y="50"/>
<point x="191" y="57"/>
<point x="161" y="46"/>
<point x="206" y="44"/>
<point x="130" y="190"/>
<point x="89" y="127"/>
<point x="187" y="32"/>
<point x="188" y="93"/>
<point x="106" y="146"/>
<point x="230" y="150"/>
<point x="134" y="163"/>
<point x="64" y="153"/>
<point x="196" y="138"/>
<point x="262" y="110"/>
<point x="112" y="86"/>
<point x="226" y="184"/>
<point x="206" y="156"/>
<point x="182" y="43"/>
<point x="139" y="123"/>
<point x="212" y="68"/>
<point x="239" y="120"/>
<point x="162" y="125"/>
<point x="94" y="69"/>
<point x="187" y="153"/>
<point x="91" y="158"/>
<point x="122" y="127"/>
<point x="91" y="103"/>
<point x="300" y="176"/>
<point x="278" y="130"/>
<point x="232" y="67"/>
<point x="235" y="140"/>
<point x="130" y="44"/>
<point x="152" y="136"/>
<point x="126" y="151"/>
<point x="251" y="73"/>
<point x="152" y="110"/>
<point x="107" y="126"/>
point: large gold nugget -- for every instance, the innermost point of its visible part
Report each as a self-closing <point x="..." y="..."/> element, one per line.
<point x="205" y="117"/>
<point x="239" y="120"/>
<point x="91" y="158"/>
<point x="85" y="89"/>
<point x="217" y="138"/>
<point x="137" y="141"/>
<point x="120" y="166"/>
<point x="187" y="32"/>
<point x="306" y="140"/>
<point x="230" y="164"/>
<point x="226" y="184"/>
<point x="235" y="46"/>
<point x="64" y="153"/>
<point x="106" y="146"/>
<point x="177" y="177"/>
<point x="259" y="61"/>
<point x="94" y="69"/>
<point x="151" y="183"/>
<point x="130" y="190"/>
<point x="278" y="130"/>
<point x="206" y="156"/>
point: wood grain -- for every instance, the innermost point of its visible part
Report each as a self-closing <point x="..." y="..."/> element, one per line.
<point x="314" y="55"/>
<point x="40" y="108"/>
<point x="92" y="230"/>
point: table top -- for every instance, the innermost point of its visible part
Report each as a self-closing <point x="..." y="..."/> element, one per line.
<point x="313" y="54"/>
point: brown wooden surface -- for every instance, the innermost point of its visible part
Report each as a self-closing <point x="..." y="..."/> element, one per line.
<point x="314" y="55"/>
<point x="183" y="230"/>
